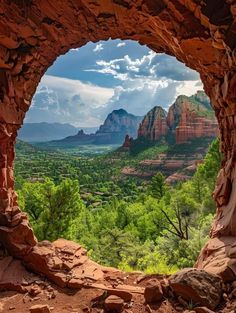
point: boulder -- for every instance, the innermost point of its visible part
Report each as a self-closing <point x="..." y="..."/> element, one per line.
<point x="114" y="304"/>
<point x="197" y="286"/>
<point x="153" y="292"/>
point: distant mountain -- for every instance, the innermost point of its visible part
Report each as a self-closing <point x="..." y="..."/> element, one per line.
<point x="40" y="132"/>
<point x="187" y="118"/>
<point x="116" y="126"/>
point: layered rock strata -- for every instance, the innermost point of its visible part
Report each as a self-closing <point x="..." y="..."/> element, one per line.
<point x="154" y="124"/>
<point x="201" y="34"/>
<point x="187" y="118"/>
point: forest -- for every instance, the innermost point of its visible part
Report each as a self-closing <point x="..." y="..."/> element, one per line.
<point x="129" y="223"/>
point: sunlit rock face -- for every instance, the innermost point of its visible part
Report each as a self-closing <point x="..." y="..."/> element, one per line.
<point x="199" y="33"/>
<point x="154" y="124"/>
<point x="187" y="118"/>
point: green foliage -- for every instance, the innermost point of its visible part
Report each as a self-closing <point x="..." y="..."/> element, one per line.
<point x="158" y="186"/>
<point x="127" y="223"/>
<point x="52" y="209"/>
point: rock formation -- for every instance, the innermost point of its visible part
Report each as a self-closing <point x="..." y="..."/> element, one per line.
<point x="127" y="143"/>
<point x="201" y="34"/>
<point x="79" y="139"/>
<point x="187" y="118"/>
<point x="117" y="124"/>
<point x="103" y="289"/>
<point x="154" y="124"/>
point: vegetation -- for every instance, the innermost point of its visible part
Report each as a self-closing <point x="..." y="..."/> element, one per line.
<point x="128" y="223"/>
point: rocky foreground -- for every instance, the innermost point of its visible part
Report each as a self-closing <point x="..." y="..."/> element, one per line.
<point x="78" y="284"/>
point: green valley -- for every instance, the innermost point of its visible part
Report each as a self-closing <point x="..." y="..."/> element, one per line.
<point x="131" y="222"/>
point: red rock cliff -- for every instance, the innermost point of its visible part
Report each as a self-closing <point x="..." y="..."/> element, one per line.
<point x="187" y="118"/>
<point x="154" y="124"/>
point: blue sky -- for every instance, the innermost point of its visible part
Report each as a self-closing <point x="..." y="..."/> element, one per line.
<point x="86" y="84"/>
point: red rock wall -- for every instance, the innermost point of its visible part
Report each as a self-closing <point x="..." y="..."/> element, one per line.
<point x="154" y="124"/>
<point x="192" y="126"/>
<point x="199" y="33"/>
<point x="183" y="122"/>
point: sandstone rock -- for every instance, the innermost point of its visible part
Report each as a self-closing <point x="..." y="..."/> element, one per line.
<point x="40" y="308"/>
<point x="198" y="286"/>
<point x="187" y="118"/>
<point x="13" y="275"/>
<point x="153" y="292"/>
<point x="127" y="143"/>
<point x="114" y="304"/>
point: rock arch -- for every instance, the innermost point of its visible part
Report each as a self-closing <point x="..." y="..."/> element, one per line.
<point x="202" y="34"/>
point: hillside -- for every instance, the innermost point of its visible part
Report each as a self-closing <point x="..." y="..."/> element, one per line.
<point x="36" y="132"/>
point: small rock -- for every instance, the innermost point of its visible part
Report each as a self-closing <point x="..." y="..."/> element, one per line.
<point x="153" y="292"/>
<point x="11" y="308"/>
<point x="114" y="304"/>
<point x="40" y="308"/>
<point x="125" y="295"/>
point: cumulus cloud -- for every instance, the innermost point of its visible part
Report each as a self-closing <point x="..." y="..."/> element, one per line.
<point x="98" y="48"/>
<point x="138" y="97"/>
<point x="134" y="78"/>
<point x="151" y="65"/>
<point x="68" y="101"/>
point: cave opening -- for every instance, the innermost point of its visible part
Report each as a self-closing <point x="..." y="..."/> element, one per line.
<point x="195" y="33"/>
<point x="112" y="129"/>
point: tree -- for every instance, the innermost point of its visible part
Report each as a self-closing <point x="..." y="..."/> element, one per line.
<point x="180" y="214"/>
<point x="158" y="186"/>
<point x="52" y="208"/>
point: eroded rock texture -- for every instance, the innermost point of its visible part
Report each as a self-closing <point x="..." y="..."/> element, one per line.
<point x="187" y="118"/>
<point x="202" y="34"/>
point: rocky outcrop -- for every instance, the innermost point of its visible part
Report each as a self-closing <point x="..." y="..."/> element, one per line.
<point x="192" y="117"/>
<point x="100" y="288"/>
<point x="127" y="143"/>
<point x="117" y="125"/>
<point x="188" y="118"/>
<point x="200" y="34"/>
<point x="154" y="124"/>
<point x="79" y="139"/>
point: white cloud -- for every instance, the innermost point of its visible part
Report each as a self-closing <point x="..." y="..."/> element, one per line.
<point x="139" y="80"/>
<point x="98" y="48"/>
<point x="152" y="65"/>
<point x="68" y="101"/>
<point x="139" y="96"/>
<point x="121" y="44"/>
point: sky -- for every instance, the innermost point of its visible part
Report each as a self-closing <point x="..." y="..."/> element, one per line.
<point x="83" y="86"/>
